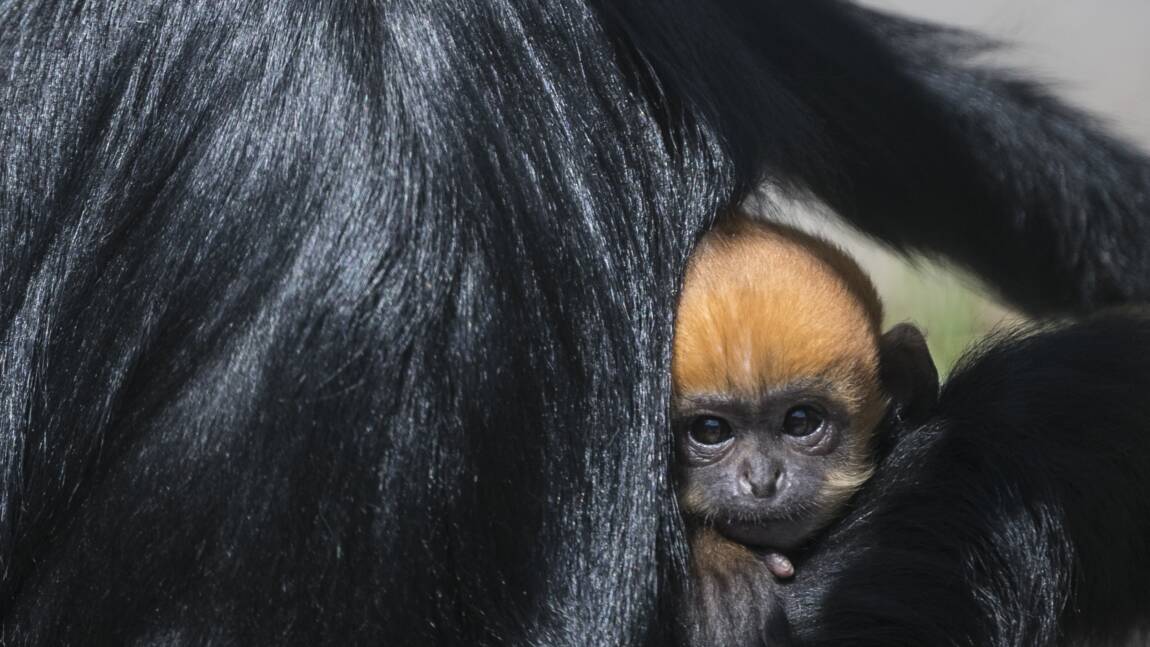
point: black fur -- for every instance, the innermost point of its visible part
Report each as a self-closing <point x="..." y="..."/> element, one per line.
<point x="338" y="322"/>
<point x="1017" y="515"/>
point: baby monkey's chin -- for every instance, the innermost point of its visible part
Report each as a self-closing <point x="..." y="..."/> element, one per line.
<point x="780" y="534"/>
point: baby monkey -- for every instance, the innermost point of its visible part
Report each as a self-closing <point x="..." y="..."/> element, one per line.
<point x="782" y="379"/>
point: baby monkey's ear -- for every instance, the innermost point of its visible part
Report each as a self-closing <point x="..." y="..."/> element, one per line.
<point x="908" y="374"/>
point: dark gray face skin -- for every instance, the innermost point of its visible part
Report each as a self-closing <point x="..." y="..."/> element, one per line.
<point x="754" y="470"/>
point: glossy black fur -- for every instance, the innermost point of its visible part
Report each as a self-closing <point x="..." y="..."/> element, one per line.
<point x="347" y="322"/>
<point x="1016" y="516"/>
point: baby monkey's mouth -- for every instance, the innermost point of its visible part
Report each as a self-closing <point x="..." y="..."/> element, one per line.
<point x="782" y="533"/>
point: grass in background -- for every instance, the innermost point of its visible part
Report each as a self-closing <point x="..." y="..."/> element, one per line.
<point x="945" y="305"/>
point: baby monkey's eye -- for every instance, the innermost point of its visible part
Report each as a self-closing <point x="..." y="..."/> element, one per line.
<point x="710" y="430"/>
<point x="801" y="421"/>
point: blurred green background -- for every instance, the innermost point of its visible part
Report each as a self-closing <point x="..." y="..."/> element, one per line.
<point x="1094" y="54"/>
<point x="950" y="309"/>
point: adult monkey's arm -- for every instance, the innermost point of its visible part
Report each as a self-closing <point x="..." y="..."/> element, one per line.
<point x="1015" y="516"/>
<point x="925" y="151"/>
<point x="989" y="170"/>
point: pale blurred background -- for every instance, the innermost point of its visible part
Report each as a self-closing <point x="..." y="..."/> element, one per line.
<point x="1094" y="53"/>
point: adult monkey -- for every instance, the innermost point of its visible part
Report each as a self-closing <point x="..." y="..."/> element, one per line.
<point x="321" y="322"/>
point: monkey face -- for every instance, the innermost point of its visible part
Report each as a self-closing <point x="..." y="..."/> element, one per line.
<point x="759" y="471"/>
<point x="781" y="377"/>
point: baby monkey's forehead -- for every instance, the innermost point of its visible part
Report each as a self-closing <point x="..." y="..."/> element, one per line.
<point x="845" y="382"/>
<point x="751" y="351"/>
<point x="768" y="397"/>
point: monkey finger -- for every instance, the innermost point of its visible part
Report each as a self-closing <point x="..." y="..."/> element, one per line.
<point x="779" y="565"/>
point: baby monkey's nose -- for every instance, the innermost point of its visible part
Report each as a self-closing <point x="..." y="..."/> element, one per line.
<point x="761" y="478"/>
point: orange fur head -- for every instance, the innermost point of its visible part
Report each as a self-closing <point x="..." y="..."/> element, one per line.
<point x="765" y="306"/>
